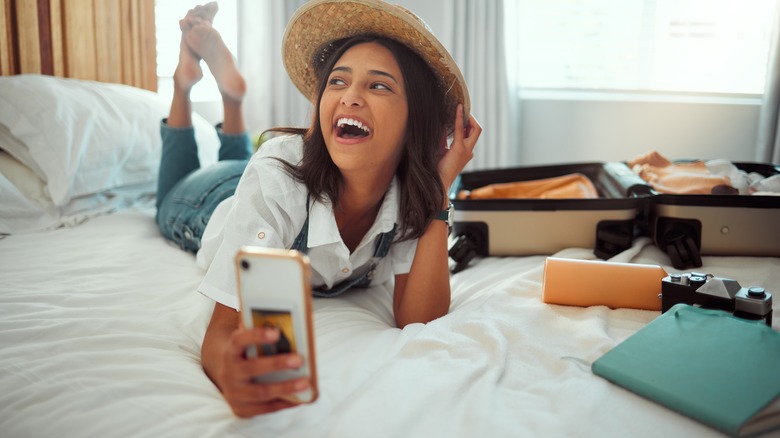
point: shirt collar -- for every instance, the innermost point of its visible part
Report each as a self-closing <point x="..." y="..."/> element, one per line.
<point x="322" y="223"/>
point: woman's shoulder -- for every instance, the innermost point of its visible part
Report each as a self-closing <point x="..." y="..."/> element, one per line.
<point x="285" y="147"/>
<point x="268" y="170"/>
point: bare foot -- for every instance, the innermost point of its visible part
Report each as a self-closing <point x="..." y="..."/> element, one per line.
<point x="201" y="12"/>
<point x="207" y="44"/>
<point x="188" y="71"/>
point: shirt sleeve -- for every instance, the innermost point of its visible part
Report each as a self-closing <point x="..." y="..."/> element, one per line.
<point x="257" y="215"/>
<point x="402" y="255"/>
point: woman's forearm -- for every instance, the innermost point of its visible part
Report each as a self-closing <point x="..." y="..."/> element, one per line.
<point x="424" y="294"/>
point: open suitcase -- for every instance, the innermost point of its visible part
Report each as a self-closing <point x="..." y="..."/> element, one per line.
<point x="685" y="226"/>
<point x="516" y="227"/>
<point x="689" y="226"/>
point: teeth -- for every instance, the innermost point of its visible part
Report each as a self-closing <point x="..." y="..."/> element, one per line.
<point x="346" y="121"/>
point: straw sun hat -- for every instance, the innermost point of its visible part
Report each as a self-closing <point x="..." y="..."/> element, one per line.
<point x="320" y="22"/>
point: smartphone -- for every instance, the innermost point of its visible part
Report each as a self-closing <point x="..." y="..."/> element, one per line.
<point x="274" y="289"/>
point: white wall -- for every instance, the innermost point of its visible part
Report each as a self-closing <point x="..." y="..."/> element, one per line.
<point x="558" y="131"/>
<point x="570" y="127"/>
<point x="555" y="131"/>
<point x="595" y="127"/>
<point x="211" y="110"/>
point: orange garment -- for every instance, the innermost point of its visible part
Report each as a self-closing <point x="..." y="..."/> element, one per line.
<point x="676" y="178"/>
<point x="575" y="185"/>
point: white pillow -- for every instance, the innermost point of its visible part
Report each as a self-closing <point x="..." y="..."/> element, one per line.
<point x="25" y="206"/>
<point x="79" y="149"/>
<point x="85" y="137"/>
<point x="27" y="183"/>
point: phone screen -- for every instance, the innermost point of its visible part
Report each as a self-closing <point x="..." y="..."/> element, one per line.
<point x="280" y="319"/>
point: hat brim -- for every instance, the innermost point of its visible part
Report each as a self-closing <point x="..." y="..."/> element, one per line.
<point x="320" y="22"/>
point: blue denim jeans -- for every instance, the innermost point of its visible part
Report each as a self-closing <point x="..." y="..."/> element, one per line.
<point x="188" y="194"/>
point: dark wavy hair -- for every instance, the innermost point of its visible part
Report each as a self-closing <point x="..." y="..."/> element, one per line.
<point x="421" y="190"/>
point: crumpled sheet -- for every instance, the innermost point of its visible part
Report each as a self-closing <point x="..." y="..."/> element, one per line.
<point x="101" y="328"/>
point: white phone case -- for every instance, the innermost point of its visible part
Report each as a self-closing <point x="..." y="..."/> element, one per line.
<point x="275" y="289"/>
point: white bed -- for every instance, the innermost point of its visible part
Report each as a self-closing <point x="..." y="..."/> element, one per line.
<point x="101" y="327"/>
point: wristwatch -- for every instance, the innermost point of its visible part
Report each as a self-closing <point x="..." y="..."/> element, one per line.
<point x="447" y="215"/>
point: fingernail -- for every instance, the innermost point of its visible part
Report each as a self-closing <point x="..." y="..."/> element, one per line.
<point x="301" y="384"/>
<point x="271" y="334"/>
<point x="294" y="362"/>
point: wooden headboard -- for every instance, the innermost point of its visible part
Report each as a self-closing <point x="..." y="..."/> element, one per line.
<point x="100" y="40"/>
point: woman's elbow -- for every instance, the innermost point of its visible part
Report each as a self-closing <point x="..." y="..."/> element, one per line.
<point x="404" y="318"/>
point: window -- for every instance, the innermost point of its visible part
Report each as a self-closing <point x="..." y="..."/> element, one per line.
<point x="167" y="16"/>
<point x="700" y="46"/>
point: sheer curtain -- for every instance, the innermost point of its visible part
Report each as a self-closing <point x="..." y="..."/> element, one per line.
<point x="476" y="29"/>
<point x="768" y="149"/>
<point x="271" y="100"/>
<point x="472" y="30"/>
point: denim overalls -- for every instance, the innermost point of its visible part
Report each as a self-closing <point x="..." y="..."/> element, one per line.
<point x="188" y="195"/>
<point x="384" y="240"/>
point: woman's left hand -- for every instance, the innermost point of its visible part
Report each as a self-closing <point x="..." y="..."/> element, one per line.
<point x="461" y="150"/>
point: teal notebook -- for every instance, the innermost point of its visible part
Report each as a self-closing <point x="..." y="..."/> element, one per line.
<point x="707" y="364"/>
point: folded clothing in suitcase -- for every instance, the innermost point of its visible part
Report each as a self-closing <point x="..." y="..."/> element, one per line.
<point x="571" y="186"/>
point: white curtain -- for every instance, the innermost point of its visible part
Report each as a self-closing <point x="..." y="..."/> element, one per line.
<point x="472" y="30"/>
<point x="271" y="100"/>
<point x="768" y="149"/>
<point x="474" y="34"/>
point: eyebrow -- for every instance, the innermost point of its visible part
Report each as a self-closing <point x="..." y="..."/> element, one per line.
<point x="373" y="72"/>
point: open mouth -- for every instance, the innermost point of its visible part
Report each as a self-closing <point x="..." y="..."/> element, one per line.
<point x="351" y="128"/>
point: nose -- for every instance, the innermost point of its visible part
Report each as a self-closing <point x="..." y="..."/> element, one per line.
<point x="351" y="97"/>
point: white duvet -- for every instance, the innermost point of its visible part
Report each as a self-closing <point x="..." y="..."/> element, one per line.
<point x="100" y="333"/>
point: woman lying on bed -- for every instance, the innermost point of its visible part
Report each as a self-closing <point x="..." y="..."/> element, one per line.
<point x="375" y="162"/>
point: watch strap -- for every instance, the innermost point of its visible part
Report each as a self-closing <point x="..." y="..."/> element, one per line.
<point x="446" y="215"/>
<point x="443" y="215"/>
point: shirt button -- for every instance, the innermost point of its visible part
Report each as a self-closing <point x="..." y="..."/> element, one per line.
<point x="187" y="235"/>
<point x="345" y="270"/>
<point x="261" y="235"/>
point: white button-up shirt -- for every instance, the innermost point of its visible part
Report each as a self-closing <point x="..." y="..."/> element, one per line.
<point x="269" y="210"/>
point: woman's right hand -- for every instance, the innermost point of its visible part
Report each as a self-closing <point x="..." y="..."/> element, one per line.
<point x="461" y="150"/>
<point x="225" y="362"/>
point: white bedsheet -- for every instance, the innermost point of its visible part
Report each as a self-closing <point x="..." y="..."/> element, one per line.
<point x="100" y="333"/>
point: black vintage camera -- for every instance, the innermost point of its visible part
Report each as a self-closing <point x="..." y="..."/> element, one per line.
<point x="705" y="290"/>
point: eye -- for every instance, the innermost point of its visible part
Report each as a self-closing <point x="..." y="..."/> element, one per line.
<point x="336" y="81"/>
<point x="380" y="86"/>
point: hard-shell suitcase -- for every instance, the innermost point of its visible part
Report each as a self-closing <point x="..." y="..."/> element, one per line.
<point x="685" y="226"/>
<point x="690" y="226"/>
<point x="516" y="227"/>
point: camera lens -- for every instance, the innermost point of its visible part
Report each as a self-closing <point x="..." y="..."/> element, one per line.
<point x="244" y="265"/>
<point x="697" y="280"/>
